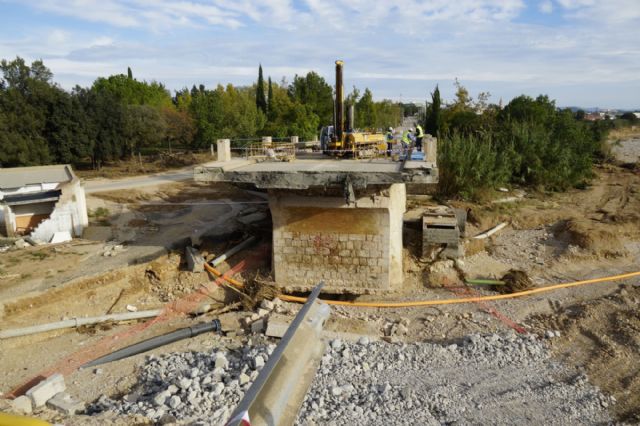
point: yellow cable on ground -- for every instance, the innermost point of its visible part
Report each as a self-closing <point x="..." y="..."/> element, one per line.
<point x="7" y="419"/>
<point x="418" y="303"/>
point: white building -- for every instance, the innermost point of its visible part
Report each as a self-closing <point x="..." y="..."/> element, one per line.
<point x="40" y="201"/>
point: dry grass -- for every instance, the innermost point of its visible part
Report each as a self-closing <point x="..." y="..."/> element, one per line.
<point x="602" y="242"/>
<point x="149" y="164"/>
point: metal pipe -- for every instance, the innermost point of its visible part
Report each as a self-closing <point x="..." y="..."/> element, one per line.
<point x="218" y="260"/>
<point x="155" y="342"/>
<point x="351" y="116"/>
<point x="339" y="127"/>
<point x="490" y="232"/>
<point x="76" y="322"/>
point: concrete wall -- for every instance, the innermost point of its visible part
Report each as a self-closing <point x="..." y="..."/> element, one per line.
<point x="354" y="248"/>
<point x="69" y="214"/>
<point x="28" y="189"/>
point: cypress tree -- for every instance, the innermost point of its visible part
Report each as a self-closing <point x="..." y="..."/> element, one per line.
<point x="129" y="73"/>
<point x="270" y="96"/>
<point x="261" y="101"/>
<point x="434" y="118"/>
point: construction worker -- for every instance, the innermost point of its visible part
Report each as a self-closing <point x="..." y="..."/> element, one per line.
<point x="419" y="136"/>
<point x="389" y="139"/>
<point x="406" y="139"/>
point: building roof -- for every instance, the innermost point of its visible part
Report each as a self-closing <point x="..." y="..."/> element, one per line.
<point x="17" y="177"/>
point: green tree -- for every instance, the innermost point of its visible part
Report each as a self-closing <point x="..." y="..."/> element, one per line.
<point x="290" y="118"/>
<point x="270" y="94"/>
<point x="462" y="102"/>
<point x="105" y="126"/>
<point x="388" y="113"/>
<point x="313" y="91"/>
<point x="26" y="94"/>
<point x="261" y="101"/>
<point x="67" y="128"/>
<point x="180" y="128"/>
<point x="143" y="127"/>
<point x="365" y="111"/>
<point x="630" y="117"/>
<point x="133" y="92"/>
<point x="434" y="118"/>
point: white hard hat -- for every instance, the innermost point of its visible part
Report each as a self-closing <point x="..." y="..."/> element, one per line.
<point x="391" y="129"/>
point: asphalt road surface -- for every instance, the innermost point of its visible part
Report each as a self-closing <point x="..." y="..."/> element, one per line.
<point x="101" y="185"/>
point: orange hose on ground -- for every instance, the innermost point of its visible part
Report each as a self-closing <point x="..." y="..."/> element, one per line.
<point x="413" y="304"/>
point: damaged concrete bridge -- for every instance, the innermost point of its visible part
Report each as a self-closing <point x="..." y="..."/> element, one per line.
<point x="334" y="220"/>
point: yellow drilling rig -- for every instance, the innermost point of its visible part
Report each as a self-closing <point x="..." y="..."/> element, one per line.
<point x="341" y="139"/>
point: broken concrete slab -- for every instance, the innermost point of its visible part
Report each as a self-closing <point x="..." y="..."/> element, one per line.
<point x="45" y="390"/>
<point x="277" y="326"/>
<point x="64" y="403"/>
<point x="231" y="321"/>
<point x="195" y="261"/>
<point x="61" y="237"/>
<point x="22" y="404"/>
<point x="258" y="326"/>
<point x="21" y="243"/>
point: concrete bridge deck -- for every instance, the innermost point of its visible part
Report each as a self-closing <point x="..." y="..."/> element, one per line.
<point x="306" y="173"/>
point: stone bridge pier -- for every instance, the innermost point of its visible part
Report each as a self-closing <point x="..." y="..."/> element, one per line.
<point x="334" y="220"/>
<point x="354" y="247"/>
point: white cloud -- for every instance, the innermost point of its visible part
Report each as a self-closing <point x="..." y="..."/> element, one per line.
<point x="101" y="41"/>
<point x="546" y="6"/>
<point x="611" y="11"/>
<point x="410" y="44"/>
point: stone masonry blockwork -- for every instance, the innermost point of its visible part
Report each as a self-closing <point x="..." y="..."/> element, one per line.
<point x="353" y="248"/>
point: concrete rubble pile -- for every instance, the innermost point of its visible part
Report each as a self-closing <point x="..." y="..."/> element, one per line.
<point x="494" y="379"/>
<point x="191" y="386"/>
<point x="505" y="379"/>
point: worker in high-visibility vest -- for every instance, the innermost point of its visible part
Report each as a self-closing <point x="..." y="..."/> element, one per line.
<point x="389" y="139"/>
<point x="419" y="136"/>
<point x="406" y="139"/>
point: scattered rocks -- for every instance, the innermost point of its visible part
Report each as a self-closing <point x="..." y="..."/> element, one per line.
<point x="365" y="382"/>
<point x="64" y="403"/>
<point x="111" y="250"/>
<point x="21" y="243"/>
<point x="190" y="387"/>
<point x="466" y="382"/>
<point x="22" y="404"/>
<point x="46" y="389"/>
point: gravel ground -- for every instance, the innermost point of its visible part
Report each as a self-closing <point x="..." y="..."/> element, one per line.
<point x="522" y="249"/>
<point x="627" y="151"/>
<point x="494" y="379"/>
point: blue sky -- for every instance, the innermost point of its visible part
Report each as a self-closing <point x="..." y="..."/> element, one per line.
<point x="579" y="52"/>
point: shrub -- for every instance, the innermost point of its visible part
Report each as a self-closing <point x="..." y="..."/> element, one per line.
<point x="469" y="163"/>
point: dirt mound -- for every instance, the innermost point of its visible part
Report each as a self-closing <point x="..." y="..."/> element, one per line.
<point x="515" y="280"/>
<point x="591" y="236"/>
<point x="603" y="336"/>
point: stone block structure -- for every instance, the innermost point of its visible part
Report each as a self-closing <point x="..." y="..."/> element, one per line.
<point x="337" y="221"/>
<point x="353" y="248"/>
